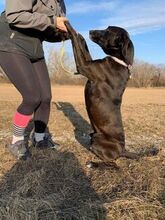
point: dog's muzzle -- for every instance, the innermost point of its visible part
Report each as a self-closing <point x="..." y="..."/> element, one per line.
<point x="95" y="35"/>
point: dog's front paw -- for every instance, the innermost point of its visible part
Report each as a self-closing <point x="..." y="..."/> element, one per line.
<point x="102" y="165"/>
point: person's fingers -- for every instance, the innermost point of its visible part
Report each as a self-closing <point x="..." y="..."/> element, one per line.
<point x="60" y="23"/>
<point x="65" y="19"/>
<point x="63" y="28"/>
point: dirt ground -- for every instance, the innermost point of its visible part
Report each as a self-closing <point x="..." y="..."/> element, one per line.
<point x="75" y="94"/>
<point x="58" y="185"/>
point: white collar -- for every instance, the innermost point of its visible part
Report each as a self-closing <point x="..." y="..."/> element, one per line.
<point x="120" y="62"/>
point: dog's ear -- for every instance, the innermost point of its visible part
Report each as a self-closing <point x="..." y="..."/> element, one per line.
<point x="128" y="51"/>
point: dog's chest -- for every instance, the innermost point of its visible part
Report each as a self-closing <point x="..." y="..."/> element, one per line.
<point x="98" y="90"/>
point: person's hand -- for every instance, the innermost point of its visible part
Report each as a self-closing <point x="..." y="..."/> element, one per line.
<point x="60" y="23"/>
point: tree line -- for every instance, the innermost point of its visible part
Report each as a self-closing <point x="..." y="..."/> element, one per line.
<point x="62" y="71"/>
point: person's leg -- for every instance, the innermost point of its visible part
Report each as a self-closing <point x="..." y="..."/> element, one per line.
<point x="20" y="71"/>
<point x="42" y="112"/>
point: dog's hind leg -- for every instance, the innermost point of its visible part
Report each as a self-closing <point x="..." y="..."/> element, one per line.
<point x="130" y="155"/>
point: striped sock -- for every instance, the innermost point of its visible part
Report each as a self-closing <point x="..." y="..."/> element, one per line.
<point x="20" y="122"/>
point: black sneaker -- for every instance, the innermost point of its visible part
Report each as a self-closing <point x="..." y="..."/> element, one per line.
<point x="47" y="142"/>
<point x="19" y="150"/>
<point x="28" y="131"/>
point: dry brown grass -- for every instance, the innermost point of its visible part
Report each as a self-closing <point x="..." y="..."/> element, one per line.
<point x="58" y="185"/>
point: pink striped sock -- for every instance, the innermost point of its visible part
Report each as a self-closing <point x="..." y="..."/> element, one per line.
<point x="20" y="122"/>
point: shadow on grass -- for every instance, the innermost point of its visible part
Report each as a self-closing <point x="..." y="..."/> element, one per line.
<point x="50" y="185"/>
<point x="81" y="127"/>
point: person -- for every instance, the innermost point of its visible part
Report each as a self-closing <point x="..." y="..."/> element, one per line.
<point x="24" y="25"/>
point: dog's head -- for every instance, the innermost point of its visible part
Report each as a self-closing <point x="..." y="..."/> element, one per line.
<point x="114" y="41"/>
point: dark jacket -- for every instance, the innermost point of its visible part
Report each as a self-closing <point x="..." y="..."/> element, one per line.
<point x="26" y="24"/>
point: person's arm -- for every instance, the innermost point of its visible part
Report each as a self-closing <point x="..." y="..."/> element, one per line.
<point x="19" y="14"/>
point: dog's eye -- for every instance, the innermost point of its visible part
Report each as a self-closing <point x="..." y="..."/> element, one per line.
<point x="118" y="41"/>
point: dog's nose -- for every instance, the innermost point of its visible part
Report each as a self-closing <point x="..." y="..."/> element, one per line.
<point x="90" y="33"/>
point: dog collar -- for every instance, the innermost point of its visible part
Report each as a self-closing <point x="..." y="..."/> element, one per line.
<point x="121" y="62"/>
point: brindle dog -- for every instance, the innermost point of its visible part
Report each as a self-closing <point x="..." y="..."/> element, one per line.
<point x="107" y="80"/>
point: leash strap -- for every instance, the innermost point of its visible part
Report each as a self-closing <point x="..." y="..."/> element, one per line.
<point x="62" y="53"/>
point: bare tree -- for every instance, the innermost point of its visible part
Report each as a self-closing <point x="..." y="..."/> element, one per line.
<point x="62" y="68"/>
<point x="147" y="75"/>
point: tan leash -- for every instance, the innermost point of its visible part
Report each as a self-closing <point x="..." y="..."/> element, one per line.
<point x="62" y="53"/>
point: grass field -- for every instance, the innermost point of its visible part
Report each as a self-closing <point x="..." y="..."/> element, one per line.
<point x="58" y="185"/>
